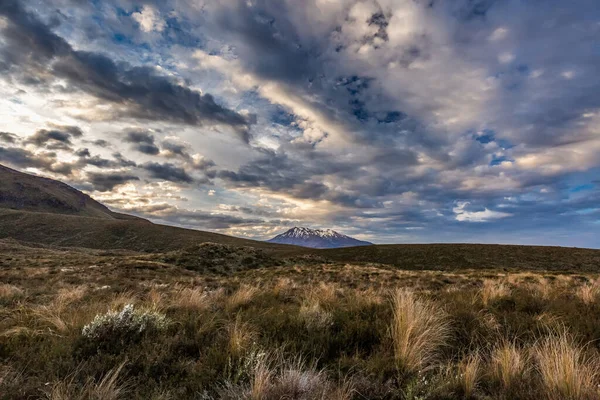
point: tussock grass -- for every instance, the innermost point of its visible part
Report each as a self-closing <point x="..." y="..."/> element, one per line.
<point x="493" y="290"/>
<point x="242" y="296"/>
<point x="314" y="315"/>
<point x="109" y="387"/>
<point x="589" y="293"/>
<point x="565" y="368"/>
<point x="324" y="293"/>
<point x="275" y="378"/>
<point x="508" y="364"/>
<point x="418" y="329"/>
<point x="8" y="291"/>
<point x="469" y="374"/>
<point x="284" y="287"/>
<point x="240" y="335"/>
<point x="67" y="296"/>
<point x="195" y="299"/>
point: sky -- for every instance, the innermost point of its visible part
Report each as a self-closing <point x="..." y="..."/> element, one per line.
<point x="394" y="121"/>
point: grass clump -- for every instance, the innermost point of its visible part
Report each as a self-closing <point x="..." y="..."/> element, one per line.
<point x="418" y="329"/>
<point x="8" y="291"/>
<point x="492" y="291"/>
<point x="109" y="387"/>
<point x="590" y="292"/>
<point x="469" y="374"/>
<point x="242" y="296"/>
<point x="273" y="378"/>
<point x="508" y="364"/>
<point x="565" y="370"/>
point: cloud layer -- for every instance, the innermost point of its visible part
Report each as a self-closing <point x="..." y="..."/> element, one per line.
<point x="397" y="121"/>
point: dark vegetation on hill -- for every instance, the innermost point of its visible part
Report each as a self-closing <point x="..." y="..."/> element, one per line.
<point x="20" y="191"/>
<point x="466" y="256"/>
<point x="219" y="258"/>
<point x="98" y="233"/>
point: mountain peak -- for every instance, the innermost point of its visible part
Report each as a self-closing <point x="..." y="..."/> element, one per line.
<point x="316" y="238"/>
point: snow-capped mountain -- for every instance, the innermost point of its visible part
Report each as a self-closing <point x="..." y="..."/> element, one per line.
<point x="317" y="238"/>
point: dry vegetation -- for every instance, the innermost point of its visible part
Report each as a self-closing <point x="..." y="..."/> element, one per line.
<point x="84" y="324"/>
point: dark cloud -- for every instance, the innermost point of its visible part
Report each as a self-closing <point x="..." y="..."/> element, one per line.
<point x="143" y="142"/>
<point x="300" y="177"/>
<point x="55" y="138"/>
<point x="124" y="162"/>
<point x="23" y="158"/>
<point x="83" y="153"/>
<point x="105" y="182"/>
<point x="101" y="143"/>
<point x="7" y="137"/>
<point x="175" y="149"/>
<point x="118" y="161"/>
<point x="206" y="220"/>
<point x="168" y="172"/>
<point x="32" y="48"/>
<point x="139" y="136"/>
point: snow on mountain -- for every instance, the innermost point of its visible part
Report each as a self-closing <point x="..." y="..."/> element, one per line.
<point x="317" y="238"/>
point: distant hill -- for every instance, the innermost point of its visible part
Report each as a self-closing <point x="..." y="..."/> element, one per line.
<point x="453" y="256"/>
<point x="44" y="211"/>
<point x="317" y="239"/>
<point x="25" y="192"/>
<point x="108" y="234"/>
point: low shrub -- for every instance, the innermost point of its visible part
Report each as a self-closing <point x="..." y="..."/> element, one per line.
<point x="123" y="326"/>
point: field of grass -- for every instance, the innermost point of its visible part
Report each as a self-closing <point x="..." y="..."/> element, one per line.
<point x="214" y="322"/>
<point x="461" y="256"/>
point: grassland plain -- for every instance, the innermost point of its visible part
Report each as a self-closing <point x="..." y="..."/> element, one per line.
<point x="217" y="322"/>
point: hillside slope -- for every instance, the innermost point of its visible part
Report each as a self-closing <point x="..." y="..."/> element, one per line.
<point x="21" y="191"/>
<point x="100" y="233"/>
<point x="44" y="211"/>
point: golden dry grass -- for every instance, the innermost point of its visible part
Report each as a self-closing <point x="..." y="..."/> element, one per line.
<point x="357" y="344"/>
<point x="314" y="315"/>
<point x="242" y="296"/>
<point x="566" y="371"/>
<point x="418" y="329"/>
<point x="469" y="373"/>
<point x="190" y="298"/>
<point x="508" y="363"/>
<point x="107" y="388"/>
<point x="493" y="290"/>
<point x="8" y="291"/>
<point x="240" y="335"/>
<point x="589" y="293"/>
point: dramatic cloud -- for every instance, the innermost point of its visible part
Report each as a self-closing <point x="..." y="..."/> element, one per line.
<point x="143" y="141"/>
<point x="33" y="51"/>
<point x="7" y="137"/>
<point x="168" y="172"/>
<point x="46" y="161"/>
<point x="58" y="138"/>
<point x="106" y="182"/>
<point x="396" y="121"/>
